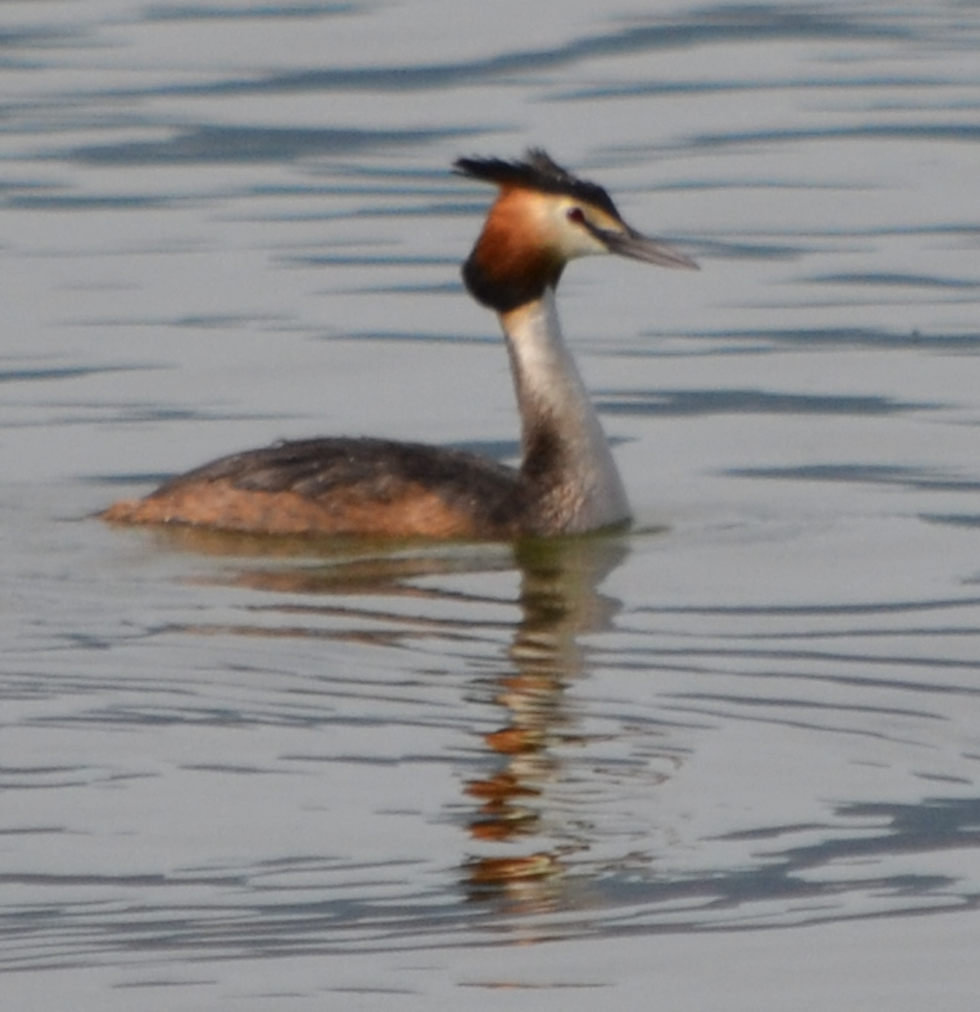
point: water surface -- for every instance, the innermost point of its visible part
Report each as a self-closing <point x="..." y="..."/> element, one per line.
<point x="731" y="755"/>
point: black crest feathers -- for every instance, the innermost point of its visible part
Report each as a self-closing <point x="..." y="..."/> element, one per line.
<point x="536" y="172"/>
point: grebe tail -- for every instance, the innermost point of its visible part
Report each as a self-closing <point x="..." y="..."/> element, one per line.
<point x="567" y="481"/>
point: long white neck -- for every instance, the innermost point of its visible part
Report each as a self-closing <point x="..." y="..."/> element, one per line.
<point x="566" y="458"/>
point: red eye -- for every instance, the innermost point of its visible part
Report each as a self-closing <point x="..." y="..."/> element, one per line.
<point x="576" y="215"/>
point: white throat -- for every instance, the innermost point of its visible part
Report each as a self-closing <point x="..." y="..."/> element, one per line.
<point x="566" y="453"/>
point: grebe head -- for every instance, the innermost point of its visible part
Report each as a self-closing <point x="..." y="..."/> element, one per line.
<point x="544" y="217"/>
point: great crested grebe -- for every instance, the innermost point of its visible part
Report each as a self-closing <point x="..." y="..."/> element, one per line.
<point x="567" y="481"/>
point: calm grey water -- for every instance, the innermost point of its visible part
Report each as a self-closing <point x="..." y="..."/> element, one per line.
<point x="244" y="775"/>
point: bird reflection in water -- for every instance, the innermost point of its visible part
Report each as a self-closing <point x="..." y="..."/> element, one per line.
<point x="559" y="601"/>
